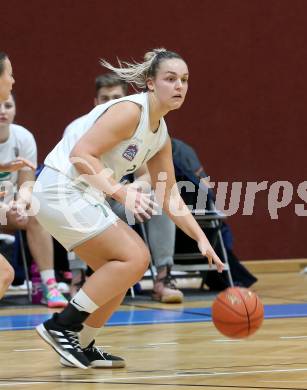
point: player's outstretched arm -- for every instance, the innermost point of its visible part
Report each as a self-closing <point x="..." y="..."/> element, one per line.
<point x="161" y="166"/>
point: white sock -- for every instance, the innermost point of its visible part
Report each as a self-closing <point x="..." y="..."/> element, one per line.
<point x="87" y="335"/>
<point x="83" y="302"/>
<point x="47" y="274"/>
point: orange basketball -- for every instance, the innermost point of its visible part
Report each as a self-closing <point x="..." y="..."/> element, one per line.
<point x="237" y="312"/>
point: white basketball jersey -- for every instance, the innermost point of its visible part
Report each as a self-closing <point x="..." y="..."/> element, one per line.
<point x="124" y="158"/>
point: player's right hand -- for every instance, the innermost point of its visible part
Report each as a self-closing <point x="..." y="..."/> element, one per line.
<point x="141" y="203"/>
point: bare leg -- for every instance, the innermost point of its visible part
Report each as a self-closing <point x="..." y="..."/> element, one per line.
<point x="98" y="318"/>
<point x="112" y="278"/>
<point x="39" y="240"/>
<point x="40" y="245"/>
<point x="6" y="275"/>
<point x="101" y="315"/>
<point x="120" y="258"/>
<point x="41" y="248"/>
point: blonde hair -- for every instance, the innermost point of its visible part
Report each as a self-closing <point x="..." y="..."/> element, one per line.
<point x="137" y="73"/>
<point x="3" y="57"/>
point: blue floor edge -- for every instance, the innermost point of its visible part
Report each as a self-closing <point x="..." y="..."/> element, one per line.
<point x="153" y="316"/>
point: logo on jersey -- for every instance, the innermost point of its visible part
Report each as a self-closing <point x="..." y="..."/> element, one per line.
<point x="130" y="152"/>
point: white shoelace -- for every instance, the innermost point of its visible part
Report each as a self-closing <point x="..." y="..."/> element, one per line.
<point x="74" y="339"/>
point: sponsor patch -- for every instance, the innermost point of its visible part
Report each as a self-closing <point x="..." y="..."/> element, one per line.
<point x="130" y="152"/>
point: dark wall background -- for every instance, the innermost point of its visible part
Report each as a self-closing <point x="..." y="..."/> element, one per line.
<point x="246" y="109"/>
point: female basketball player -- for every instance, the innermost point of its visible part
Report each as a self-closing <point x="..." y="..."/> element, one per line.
<point x="6" y="84"/>
<point x="6" y="77"/>
<point x="84" y="170"/>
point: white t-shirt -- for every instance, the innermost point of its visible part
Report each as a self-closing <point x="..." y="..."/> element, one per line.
<point x="20" y="143"/>
<point x="124" y="158"/>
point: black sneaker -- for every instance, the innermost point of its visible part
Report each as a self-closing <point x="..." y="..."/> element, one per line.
<point x="98" y="358"/>
<point x="64" y="341"/>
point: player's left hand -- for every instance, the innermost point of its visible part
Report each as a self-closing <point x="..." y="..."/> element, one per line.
<point x="207" y="250"/>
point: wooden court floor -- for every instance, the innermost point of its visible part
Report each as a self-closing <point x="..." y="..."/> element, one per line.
<point x="175" y="355"/>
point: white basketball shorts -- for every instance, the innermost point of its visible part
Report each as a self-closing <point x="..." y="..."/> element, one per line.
<point x="71" y="212"/>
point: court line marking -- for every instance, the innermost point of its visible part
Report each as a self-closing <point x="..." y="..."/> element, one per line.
<point x="22" y="383"/>
<point x="195" y="314"/>
<point x="293" y="337"/>
<point x="100" y="346"/>
<point x="213" y="386"/>
<point x="181" y="371"/>
<point x="153" y="344"/>
<point x="285" y="381"/>
<point x="208" y="374"/>
<point x="226" y="341"/>
<point x="175" y="375"/>
<point x="28" y="350"/>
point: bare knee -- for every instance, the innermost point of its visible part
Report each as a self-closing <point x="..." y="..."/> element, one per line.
<point x="14" y="223"/>
<point x="7" y="274"/>
<point x="141" y="261"/>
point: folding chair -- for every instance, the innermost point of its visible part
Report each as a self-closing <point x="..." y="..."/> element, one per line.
<point x="207" y="219"/>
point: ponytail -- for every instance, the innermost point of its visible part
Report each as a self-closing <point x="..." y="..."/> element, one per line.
<point x="137" y="73"/>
